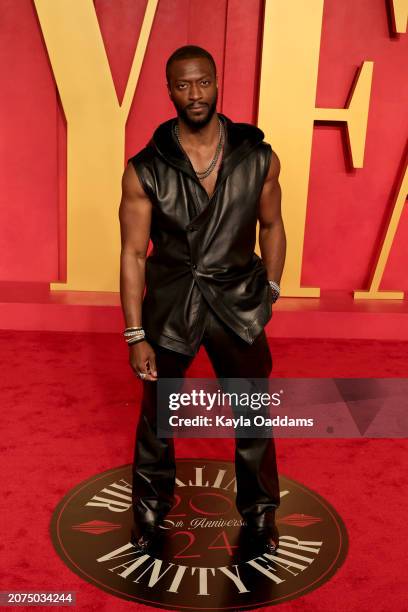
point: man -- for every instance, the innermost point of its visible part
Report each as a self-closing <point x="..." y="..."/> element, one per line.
<point x="197" y="191"/>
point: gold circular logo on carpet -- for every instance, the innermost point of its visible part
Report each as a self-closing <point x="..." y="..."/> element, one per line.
<point x="201" y="563"/>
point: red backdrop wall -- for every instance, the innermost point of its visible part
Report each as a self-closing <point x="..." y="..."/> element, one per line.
<point x="347" y="208"/>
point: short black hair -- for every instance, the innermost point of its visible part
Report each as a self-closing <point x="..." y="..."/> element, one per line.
<point x="189" y="52"/>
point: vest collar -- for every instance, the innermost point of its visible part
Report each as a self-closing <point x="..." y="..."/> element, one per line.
<point x="241" y="138"/>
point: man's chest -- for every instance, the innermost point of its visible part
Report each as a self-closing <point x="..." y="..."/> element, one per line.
<point x="209" y="182"/>
<point x="202" y="162"/>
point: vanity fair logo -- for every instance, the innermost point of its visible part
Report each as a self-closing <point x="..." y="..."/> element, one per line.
<point x="201" y="563"/>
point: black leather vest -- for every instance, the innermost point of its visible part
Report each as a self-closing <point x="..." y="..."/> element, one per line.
<point x="204" y="247"/>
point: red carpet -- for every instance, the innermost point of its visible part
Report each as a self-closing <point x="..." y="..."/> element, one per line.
<point x="69" y="405"/>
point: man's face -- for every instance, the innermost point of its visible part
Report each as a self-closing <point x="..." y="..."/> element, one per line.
<point x="193" y="90"/>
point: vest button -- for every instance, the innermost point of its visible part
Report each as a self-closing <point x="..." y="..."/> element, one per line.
<point x="194" y="266"/>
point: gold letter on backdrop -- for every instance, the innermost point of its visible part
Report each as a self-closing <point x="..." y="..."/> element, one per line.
<point x="400" y="15"/>
<point x="290" y="60"/>
<point x="374" y="293"/>
<point x="399" y="10"/>
<point x="96" y="137"/>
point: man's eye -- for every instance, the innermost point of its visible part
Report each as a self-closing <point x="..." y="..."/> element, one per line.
<point x="205" y="82"/>
<point x="182" y="86"/>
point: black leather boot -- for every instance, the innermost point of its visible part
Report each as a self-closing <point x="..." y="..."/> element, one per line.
<point x="263" y="535"/>
<point x="148" y="540"/>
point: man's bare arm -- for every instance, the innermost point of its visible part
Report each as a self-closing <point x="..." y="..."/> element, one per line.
<point x="135" y="217"/>
<point x="272" y="238"/>
<point x="135" y="212"/>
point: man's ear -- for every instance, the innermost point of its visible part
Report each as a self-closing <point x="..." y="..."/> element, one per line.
<point x="168" y="89"/>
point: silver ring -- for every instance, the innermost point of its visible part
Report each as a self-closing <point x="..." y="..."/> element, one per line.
<point x="141" y="375"/>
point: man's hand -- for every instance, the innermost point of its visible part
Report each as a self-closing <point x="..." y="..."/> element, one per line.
<point x="142" y="358"/>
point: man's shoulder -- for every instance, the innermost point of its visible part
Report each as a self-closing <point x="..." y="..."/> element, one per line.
<point x="253" y="138"/>
<point x="240" y="132"/>
<point x="158" y="146"/>
<point x="144" y="156"/>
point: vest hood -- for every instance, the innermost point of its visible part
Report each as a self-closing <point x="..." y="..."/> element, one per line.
<point x="241" y="138"/>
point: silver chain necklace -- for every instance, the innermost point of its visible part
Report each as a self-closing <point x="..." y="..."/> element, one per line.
<point x="204" y="173"/>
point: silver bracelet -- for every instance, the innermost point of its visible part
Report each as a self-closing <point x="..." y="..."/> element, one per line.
<point x="134" y="334"/>
<point x="275" y="290"/>
<point x="274" y="285"/>
<point x="135" y="338"/>
<point x="133" y="341"/>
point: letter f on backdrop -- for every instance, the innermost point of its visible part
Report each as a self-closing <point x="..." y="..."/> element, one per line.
<point x="96" y="136"/>
<point x="290" y="61"/>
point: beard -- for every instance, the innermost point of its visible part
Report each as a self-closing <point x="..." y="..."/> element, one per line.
<point x="193" y="123"/>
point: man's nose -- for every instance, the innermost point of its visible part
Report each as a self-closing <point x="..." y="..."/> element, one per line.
<point x="195" y="92"/>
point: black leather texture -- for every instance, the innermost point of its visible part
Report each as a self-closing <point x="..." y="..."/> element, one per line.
<point x="154" y="463"/>
<point x="203" y="248"/>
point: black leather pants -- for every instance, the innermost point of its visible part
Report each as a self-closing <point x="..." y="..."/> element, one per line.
<point x="154" y="467"/>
